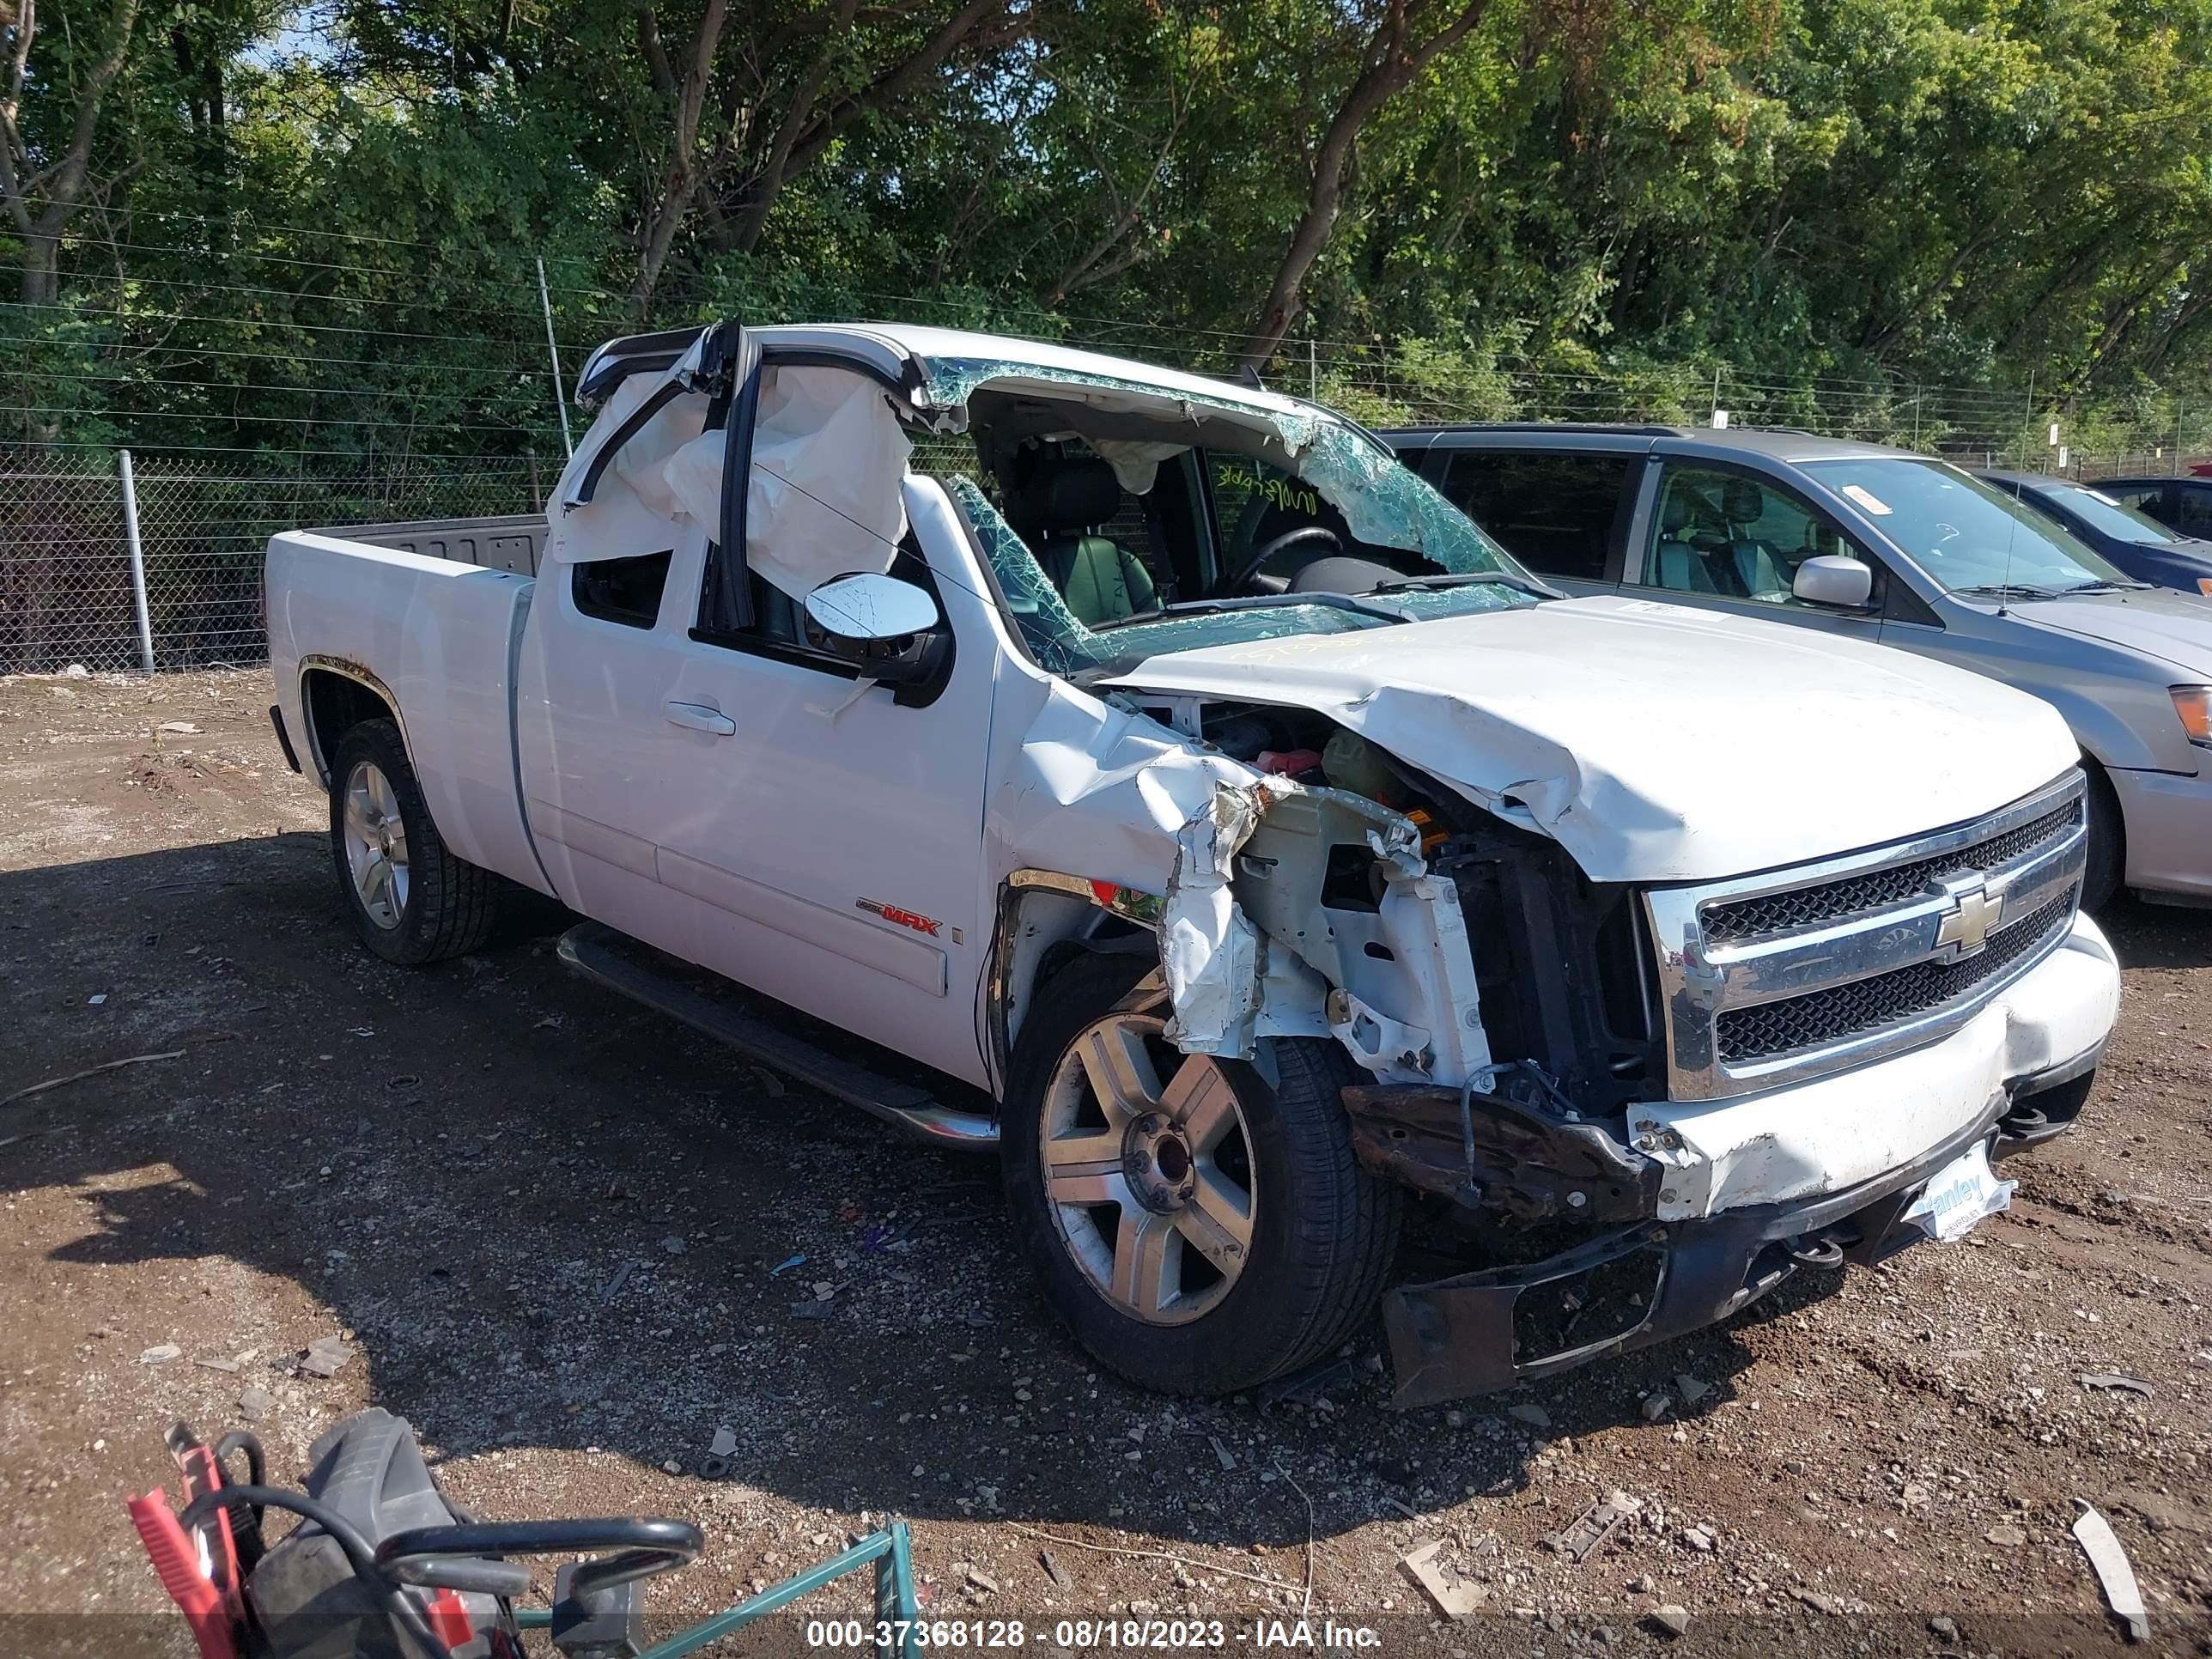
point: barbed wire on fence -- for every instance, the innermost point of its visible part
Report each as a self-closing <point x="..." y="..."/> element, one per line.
<point x="206" y="509"/>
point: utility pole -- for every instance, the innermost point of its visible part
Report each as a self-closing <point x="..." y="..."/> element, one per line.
<point x="130" y="482"/>
<point x="553" y="351"/>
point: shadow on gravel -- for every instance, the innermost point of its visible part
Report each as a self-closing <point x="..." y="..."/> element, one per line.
<point x="558" y="1220"/>
<point x="2159" y="935"/>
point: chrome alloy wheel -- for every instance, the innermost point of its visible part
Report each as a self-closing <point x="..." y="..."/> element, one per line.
<point x="375" y="844"/>
<point x="1148" y="1169"/>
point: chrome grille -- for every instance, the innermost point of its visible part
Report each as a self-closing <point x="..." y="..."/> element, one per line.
<point x="1798" y="972"/>
<point x="1821" y="1017"/>
<point x="1832" y="901"/>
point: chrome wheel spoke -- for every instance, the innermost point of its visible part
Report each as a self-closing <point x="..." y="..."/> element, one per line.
<point x="1147" y="1258"/>
<point x="357" y="816"/>
<point x="1201" y="1103"/>
<point x="1088" y="1180"/>
<point x="1083" y="1148"/>
<point x="375" y="882"/>
<point x="1119" y="1070"/>
<point x="1217" y="1220"/>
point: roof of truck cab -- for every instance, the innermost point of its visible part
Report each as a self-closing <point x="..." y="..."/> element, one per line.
<point x="1775" y="443"/>
<point x="943" y="345"/>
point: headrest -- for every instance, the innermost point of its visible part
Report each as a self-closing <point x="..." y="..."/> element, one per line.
<point x="1071" y="494"/>
<point x="1742" y="500"/>
<point x="1674" y="514"/>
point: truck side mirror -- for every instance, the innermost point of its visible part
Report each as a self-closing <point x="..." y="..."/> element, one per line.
<point x="889" y="630"/>
<point x="871" y="609"/>
<point x="1832" y="579"/>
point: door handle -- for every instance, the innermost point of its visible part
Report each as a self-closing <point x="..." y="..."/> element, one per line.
<point x="699" y="717"/>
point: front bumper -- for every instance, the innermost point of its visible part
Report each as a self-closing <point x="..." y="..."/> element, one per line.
<point x="1747" y="1191"/>
<point x="2169" y="824"/>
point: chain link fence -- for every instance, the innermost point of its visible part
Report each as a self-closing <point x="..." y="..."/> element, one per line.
<point x="67" y="594"/>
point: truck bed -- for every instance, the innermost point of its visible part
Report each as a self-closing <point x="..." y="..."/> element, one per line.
<point x="427" y="615"/>
<point x="514" y="542"/>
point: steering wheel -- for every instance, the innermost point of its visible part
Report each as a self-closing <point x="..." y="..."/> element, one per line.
<point x="1267" y="549"/>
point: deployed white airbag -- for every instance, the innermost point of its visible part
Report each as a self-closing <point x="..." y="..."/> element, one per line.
<point x="828" y="465"/>
<point x="828" y="459"/>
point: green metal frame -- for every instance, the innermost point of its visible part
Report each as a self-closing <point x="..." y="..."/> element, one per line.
<point x="889" y="1547"/>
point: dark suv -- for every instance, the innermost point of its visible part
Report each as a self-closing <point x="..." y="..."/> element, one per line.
<point x="1877" y="544"/>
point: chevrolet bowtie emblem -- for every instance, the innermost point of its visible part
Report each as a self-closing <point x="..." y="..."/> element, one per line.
<point x="1974" y="914"/>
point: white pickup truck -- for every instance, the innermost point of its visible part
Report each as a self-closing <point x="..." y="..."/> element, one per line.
<point x="1223" y="829"/>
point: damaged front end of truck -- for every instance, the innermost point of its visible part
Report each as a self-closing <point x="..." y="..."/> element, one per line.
<point x="1625" y="1089"/>
<point x="1509" y="1013"/>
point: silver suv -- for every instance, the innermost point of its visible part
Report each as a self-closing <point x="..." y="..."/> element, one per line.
<point x="1877" y="543"/>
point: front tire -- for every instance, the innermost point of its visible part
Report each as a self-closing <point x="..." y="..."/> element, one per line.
<point x="411" y="900"/>
<point x="1199" y="1230"/>
<point x="2106" y="857"/>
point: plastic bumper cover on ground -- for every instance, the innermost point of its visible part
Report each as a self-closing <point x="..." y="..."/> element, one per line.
<point x="1786" y="1176"/>
<point x="2168" y="819"/>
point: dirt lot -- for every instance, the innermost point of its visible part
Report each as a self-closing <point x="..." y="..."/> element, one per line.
<point x="551" y="1226"/>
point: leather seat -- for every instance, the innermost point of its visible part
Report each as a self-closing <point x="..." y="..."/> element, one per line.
<point x="1682" y="566"/>
<point x="1745" y="503"/>
<point x="1061" y="508"/>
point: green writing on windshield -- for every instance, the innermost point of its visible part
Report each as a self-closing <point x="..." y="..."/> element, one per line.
<point x="1283" y="492"/>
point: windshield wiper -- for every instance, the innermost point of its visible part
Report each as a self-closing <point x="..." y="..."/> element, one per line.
<point x="1257" y="602"/>
<point x="2104" y="586"/>
<point x="1467" y="578"/>
<point x="2006" y="591"/>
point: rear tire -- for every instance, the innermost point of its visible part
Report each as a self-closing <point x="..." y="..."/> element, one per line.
<point x="411" y="900"/>
<point x="1201" y="1232"/>
<point x="2107" y="851"/>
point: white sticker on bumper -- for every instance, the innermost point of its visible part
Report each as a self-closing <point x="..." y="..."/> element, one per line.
<point x="1962" y="1192"/>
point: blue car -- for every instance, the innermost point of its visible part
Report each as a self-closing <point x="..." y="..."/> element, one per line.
<point x="2108" y="518"/>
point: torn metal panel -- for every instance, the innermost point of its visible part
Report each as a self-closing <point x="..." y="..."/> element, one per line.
<point x="1547" y="717"/>
<point x="1209" y="951"/>
<point x="1239" y="861"/>
<point x="1500" y="1153"/>
<point x="1338" y="880"/>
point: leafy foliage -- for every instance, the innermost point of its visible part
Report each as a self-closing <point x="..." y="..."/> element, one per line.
<point x="326" y="242"/>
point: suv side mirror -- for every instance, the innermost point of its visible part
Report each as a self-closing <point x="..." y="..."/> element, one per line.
<point x="1832" y="579"/>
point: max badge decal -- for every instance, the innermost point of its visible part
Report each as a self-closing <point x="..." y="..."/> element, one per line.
<point x="905" y="918"/>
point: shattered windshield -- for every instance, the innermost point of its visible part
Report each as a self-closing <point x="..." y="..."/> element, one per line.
<point x="1060" y="643"/>
<point x="1126" y="520"/>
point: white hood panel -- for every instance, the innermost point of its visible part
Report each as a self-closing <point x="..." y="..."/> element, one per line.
<point x="1658" y="743"/>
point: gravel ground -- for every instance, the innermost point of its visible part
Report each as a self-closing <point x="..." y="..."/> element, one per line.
<point x="551" y="1229"/>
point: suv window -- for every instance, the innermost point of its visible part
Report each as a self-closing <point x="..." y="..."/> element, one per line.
<point x="2147" y="498"/>
<point x="1732" y="536"/>
<point x="1554" y="512"/>
<point x="2192" y="508"/>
